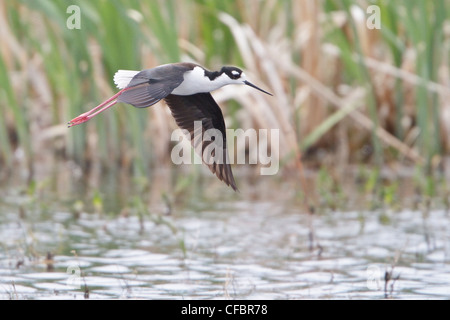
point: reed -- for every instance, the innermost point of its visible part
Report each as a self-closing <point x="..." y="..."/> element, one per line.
<point x="338" y="86"/>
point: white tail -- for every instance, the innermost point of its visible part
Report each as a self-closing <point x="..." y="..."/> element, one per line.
<point x="123" y="77"/>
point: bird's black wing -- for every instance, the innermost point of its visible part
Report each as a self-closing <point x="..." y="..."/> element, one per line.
<point x="151" y="85"/>
<point x="208" y="137"/>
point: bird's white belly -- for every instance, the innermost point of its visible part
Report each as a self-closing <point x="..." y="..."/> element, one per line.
<point x="189" y="88"/>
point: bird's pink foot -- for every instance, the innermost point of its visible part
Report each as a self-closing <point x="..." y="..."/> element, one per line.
<point x="78" y="120"/>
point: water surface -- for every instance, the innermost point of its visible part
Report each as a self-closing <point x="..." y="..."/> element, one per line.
<point x="240" y="247"/>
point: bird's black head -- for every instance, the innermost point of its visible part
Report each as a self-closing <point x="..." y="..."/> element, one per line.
<point x="232" y="72"/>
<point x="237" y="76"/>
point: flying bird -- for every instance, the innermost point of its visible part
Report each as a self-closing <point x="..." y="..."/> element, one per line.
<point x="185" y="87"/>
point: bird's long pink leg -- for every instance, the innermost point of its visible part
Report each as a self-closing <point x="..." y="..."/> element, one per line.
<point x="95" y="111"/>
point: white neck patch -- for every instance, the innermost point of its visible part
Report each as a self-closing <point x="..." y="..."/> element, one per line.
<point x="195" y="81"/>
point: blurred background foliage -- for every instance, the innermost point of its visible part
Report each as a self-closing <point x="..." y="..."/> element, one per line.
<point x="343" y="93"/>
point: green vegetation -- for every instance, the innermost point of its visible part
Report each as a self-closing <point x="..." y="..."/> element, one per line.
<point x="360" y="95"/>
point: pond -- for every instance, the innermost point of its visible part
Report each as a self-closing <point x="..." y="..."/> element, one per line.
<point x="215" y="244"/>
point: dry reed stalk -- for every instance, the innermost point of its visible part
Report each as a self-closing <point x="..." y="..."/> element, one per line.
<point x="414" y="80"/>
<point x="444" y="76"/>
<point x="271" y="62"/>
<point x="411" y="83"/>
<point x="360" y="118"/>
<point x="99" y="80"/>
<point x="404" y="75"/>
<point x="313" y="111"/>
<point x="256" y="50"/>
<point x="11" y="50"/>
<point x="367" y="38"/>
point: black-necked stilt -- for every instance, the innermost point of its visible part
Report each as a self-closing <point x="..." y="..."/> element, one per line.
<point x="186" y="89"/>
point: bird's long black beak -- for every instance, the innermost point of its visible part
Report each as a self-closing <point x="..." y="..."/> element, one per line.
<point x="253" y="86"/>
